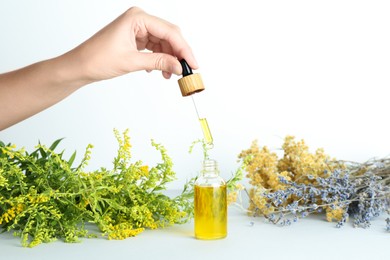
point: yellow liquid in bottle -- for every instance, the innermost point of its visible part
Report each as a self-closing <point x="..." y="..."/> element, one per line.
<point x="206" y="131"/>
<point x="210" y="212"/>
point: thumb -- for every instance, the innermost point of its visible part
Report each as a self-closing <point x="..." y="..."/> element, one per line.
<point x="158" y="61"/>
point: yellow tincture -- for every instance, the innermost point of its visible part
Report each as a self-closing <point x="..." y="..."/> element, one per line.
<point x="210" y="203"/>
<point x="206" y="131"/>
<point x="210" y="212"/>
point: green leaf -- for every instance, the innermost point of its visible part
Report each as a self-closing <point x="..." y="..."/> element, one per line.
<point x="43" y="153"/>
<point x="158" y="188"/>
<point x="72" y="158"/>
<point x="54" y="145"/>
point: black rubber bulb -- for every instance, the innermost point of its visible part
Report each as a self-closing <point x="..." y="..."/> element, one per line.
<point x="186" y="68"/>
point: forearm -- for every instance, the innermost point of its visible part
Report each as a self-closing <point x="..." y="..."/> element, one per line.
<point x="29" y="90"/>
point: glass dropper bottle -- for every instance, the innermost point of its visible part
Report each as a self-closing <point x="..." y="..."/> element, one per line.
<point x="210" y="203"/>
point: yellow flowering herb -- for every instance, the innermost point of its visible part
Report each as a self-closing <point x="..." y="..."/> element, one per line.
<point x="43" y="197"/>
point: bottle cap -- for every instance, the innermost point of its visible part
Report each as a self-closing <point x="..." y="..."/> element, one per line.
<point x="190" y="83"/>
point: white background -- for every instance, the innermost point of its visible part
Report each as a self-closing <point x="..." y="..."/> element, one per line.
<point x="318" y="70"/>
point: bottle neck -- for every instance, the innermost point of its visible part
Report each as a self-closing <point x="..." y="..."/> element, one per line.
<point x="210" y="168"/>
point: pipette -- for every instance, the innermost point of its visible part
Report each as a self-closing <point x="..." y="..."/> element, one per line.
<point x="190" y="84"/>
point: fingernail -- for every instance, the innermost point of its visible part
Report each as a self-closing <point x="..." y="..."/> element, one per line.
<point x="166" y="75"/>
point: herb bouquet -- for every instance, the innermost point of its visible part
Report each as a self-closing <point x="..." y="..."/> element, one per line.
<point x="43" y="197"/>
<point x="301" y="183"/>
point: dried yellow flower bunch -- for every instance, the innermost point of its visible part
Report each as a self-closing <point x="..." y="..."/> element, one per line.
<point x="268" y="173"/>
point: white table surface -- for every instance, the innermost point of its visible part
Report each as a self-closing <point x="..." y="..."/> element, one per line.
<point x="310" y="238"/>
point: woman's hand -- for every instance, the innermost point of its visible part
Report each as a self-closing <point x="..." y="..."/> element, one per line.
<point x="119" y="47"/>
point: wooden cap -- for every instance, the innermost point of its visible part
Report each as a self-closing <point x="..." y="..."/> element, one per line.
<point x="191" y="84"/>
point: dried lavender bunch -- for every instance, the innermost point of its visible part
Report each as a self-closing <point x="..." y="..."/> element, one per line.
<point x="301" y="183"/>
<point x="372" y="190"/>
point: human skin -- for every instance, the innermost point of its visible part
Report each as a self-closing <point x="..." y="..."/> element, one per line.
<point x="117" y="49"/>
